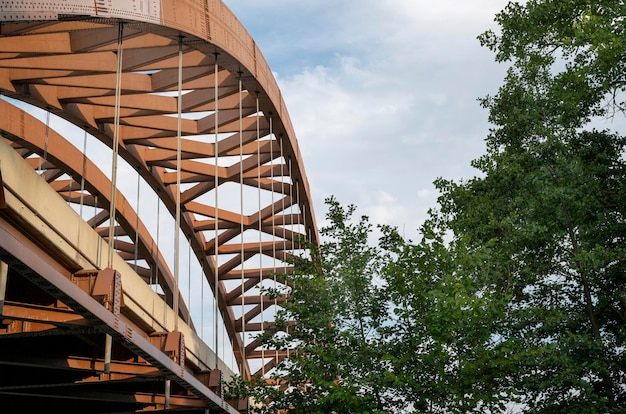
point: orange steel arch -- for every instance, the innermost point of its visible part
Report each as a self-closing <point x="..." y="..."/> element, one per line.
<point x="61" y="55"/>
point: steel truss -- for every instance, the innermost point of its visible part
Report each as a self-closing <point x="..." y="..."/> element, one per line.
<point x="193" y="108"/>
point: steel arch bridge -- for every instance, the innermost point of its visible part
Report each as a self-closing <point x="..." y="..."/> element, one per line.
<point x="172" y="97"/>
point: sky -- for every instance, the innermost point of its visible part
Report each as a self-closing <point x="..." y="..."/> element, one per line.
<point x="383" y="95"/>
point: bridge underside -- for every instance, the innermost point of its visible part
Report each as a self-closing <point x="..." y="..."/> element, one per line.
<point x="93" y="317"/>
<point x="52" y="357"/>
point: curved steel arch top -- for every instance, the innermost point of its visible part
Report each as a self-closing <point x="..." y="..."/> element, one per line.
<point x="61" y="55"/>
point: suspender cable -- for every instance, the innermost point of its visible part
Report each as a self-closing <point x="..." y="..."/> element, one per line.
<point x="260" y="219"/>
<point x="291" y="214"/>
<point x="273" y="218"/>
<point x="282" y="182"/>
<point x="82" y="175"/>
<point x="82" y="186"/>
<point x="217" y="182"/>
<point x="282" y="191"/>
<point x="291" y="203"/>
<point x="99" y="250"/>
<point x="112" y="206"/>
<point x="189" y="281"/>
<point x="178" y="161"/>
<point x="282" y="173"/>
<point x="302" y="214"/>
<point x="137" y="223"/>
<point x="42" y="160"/>
<point x="69" y="198"/>
<point x="307" y="228"/>
<point x="241" y="230"/>
<point x="202" y="309"/>
<point x="299" y="246"/>
<point x="155" y="282"/>
<point x="175" y="294"/>
<point x="116" y="128"/>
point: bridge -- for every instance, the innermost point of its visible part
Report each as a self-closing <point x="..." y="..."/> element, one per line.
<point x="152" y="196"/>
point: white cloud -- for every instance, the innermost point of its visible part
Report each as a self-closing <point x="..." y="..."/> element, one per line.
<point x="382" y="95"/>
<point x="387" y="209"/>
<point x="475" y="12"/>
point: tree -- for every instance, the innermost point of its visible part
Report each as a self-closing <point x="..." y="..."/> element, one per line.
<point x="385" y="327"/>
<point x="554" y="216"/>
<point x="551" y="203"/>
<point x="442" y="349"/>
<point x="337" y="345"/>
<point x="567" y="65"/>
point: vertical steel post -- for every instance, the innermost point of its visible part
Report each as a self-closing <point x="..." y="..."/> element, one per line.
<point x="4" y="273"/>
<point x="167" y="393"/>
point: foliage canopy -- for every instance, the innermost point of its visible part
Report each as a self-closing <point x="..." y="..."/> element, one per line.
<point x="514" y="297"/>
